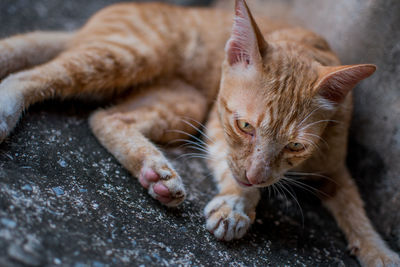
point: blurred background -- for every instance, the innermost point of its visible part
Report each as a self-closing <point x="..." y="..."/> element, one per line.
<point x="28" y="15"/>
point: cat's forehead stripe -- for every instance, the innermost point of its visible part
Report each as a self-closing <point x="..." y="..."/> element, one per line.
<point x="225" y="105"/>
<point x="260" y="119"/>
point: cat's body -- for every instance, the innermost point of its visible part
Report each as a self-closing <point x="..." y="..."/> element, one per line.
<point x="279" y="106"/>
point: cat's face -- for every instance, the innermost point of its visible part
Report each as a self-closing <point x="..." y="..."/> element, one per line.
<point x="271" y="120"/>
<point x="274" y="103"/>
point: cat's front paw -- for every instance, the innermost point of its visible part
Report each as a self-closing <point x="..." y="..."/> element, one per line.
<point x="376" y="256"/>
<point x="381" y="260"/>
<point x="163" y="184"/>
<point x="226" y="217"/>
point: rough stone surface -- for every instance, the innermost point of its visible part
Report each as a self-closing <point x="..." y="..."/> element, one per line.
<point x="65" y="201"/>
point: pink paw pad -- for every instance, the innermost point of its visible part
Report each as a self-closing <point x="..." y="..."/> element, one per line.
<point x="151" y="175"/>
<point x="165" y="187"/>
<point x="161" y="189"/>
<point x="148" y="176"/>
<point x="163" y="193"/>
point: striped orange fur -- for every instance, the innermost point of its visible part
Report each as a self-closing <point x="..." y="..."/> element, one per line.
<point x="281" y="103"/>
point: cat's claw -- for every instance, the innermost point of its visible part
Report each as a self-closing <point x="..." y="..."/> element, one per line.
<point x="165" y="185"/>
<point x="226" y="217"/>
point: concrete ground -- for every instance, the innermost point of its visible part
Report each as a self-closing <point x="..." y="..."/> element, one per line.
<point x="64" y="200"/>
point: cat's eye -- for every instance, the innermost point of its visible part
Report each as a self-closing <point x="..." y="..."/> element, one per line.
<point x="245" y="127"/>
<point x="295" y="147"/>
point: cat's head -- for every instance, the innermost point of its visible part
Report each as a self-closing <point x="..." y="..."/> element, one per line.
<point x="275" y="101"/>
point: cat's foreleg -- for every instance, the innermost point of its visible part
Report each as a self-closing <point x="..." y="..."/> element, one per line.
<point x="154" y="114"/>
<point x="345" y="203"/>
<point x="231" y="212"/>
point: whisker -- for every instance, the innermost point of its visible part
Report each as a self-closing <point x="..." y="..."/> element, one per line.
<point x="191" y="153"/>
<point x="198" y="157"/>
<point x="319" y="137"/>
<point x="188" y="142"/>
<point x="194" y="155"/>
<point x="305" y="174"/>
<point x="311" y="174"/>
<point x="269" y="192"/>
<point x="316" y="122"/>
<point x="297" y="182"/>
<point x="197" y="148"/>
<point x="196" y="121"/>
<point x="282" y="193"/>
<point x="198" y="130"/>
<point x="274" y="190"/>
<point x="302" y="186"/>
<point x="305" y="187"/>
<point x="310" y="142"/>
<point x="295" y="199"/>
<point x="301" y="123"/>
<point x="190" y="135"/>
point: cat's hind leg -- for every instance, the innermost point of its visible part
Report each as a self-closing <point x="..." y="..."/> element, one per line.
<point x="343" y="200"/>
<point x="95" y="69"/>
<point x="27" y="50"/>
<point x="21" y="52"/>
<point x="153" y="114"/>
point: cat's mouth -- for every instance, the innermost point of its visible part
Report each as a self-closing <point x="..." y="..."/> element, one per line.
<point x="243" y="184"/>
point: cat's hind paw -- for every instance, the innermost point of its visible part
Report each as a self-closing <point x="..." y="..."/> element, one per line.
<point x="11" y="107"/>
<point x="226" y="217"/>
<point x="163" y="184"/>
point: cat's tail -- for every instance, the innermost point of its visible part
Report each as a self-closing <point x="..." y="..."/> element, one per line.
<point x="27" y="50"/>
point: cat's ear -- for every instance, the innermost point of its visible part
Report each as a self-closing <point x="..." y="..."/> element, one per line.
<point x="246" y="42"/>
<point x="335" y="83"/>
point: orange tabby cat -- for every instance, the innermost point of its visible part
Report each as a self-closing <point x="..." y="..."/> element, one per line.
<point x="283" y="104"/>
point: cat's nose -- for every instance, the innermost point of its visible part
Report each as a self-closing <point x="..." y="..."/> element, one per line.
<point x="256" y="176"/>
<point x="254" y="180"/>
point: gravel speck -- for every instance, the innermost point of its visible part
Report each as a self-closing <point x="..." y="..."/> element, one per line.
<point x="27" y="187"/>
<point x="62" y="163"/>
<point x="8" y="223"/>
<point x="58" y="191"/>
